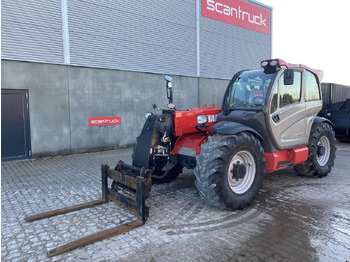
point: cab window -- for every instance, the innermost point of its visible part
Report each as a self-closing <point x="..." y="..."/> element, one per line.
<point x="312" y="92"/>
<point x="274" y="104"/>
<point x="290" y="94"/>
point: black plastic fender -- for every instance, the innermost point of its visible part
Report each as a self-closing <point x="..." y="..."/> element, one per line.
<point x="319" y="119"/>
<point x="154" y="127"/>
<point x="232" y="128"/>
<point x="143" y="143"/>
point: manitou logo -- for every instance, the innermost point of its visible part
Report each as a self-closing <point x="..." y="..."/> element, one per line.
<point x="212" y="118"/>
<point x="238" y="13"/>
<point x="105" y="121"/>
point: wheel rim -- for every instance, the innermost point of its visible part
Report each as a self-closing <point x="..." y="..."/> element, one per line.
<point x="322" y="159"/>
<point x="240" y="186"/>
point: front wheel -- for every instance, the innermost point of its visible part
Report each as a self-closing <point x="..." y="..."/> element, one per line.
<point x="166" y="174"/>
<point x="321" y="152"/>
<point x="230" y="170"/>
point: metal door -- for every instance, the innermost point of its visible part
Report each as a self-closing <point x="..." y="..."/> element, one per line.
<point x="287" y="118"/>
<point x="15" y="130"/>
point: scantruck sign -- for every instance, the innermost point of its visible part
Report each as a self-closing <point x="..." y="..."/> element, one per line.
<point x="105" y="121"/>
<point x="238" y="13"/>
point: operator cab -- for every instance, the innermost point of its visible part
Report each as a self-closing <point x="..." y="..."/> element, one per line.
<point x="279" y="101"/>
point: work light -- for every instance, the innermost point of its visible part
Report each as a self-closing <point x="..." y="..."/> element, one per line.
<point x="202" y="119"/>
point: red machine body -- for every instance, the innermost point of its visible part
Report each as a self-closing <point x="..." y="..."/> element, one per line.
<point x="190" y="139"/>
<point x="285" y="158"/>
<point x="186" y="121"/>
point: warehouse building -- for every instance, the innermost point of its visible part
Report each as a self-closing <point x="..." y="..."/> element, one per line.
<point x="79" y="75"/>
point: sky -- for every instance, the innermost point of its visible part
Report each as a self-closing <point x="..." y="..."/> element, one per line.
<point x="314" y="33"/>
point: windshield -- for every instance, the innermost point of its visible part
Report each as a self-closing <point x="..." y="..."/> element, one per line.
<point x="248" y="90"/>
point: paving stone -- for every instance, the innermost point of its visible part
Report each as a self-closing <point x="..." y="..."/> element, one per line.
<point x="294" y="218"/>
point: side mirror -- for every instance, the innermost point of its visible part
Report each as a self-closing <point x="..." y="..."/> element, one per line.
<point x="288" y="78"/>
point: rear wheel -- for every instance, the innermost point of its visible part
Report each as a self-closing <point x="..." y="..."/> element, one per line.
<point x="321" y="152"/>
<point x="230" y="170"/>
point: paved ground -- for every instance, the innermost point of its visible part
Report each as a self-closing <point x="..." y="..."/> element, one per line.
<point x="294" y="218"/>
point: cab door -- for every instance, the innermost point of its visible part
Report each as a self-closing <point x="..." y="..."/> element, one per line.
<point x="287" y="120"/>
<point x="312" y="97"/>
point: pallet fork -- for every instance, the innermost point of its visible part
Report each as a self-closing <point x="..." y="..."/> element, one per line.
<point x="132" y="188"/>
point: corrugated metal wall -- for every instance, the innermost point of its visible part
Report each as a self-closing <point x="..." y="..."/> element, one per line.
<point x="31" y="30"/>
<point x="333" y="93"/>
<point x="147" y="36"/>
<point x="225" y="49"/>
<point x="151" y="36"/>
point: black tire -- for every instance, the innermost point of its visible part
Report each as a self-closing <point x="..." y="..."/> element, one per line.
<point x="319" y="164"/>
<point x="214" y="179"/>
<point x="165" y="175"/>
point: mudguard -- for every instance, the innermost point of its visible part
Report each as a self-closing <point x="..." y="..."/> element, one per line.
<point x="319" y="119"/>
<point x="232" y="128"/>
<point x="154" y="127"/>
<point x="143" y="143"/>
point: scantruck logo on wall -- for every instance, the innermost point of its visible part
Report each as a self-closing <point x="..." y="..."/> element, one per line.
<point x="238" y="13"/>
<point x="105" y="121"/>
